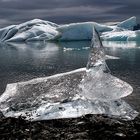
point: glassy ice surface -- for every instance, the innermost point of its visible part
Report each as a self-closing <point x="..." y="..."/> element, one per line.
<point x="98" y="83"/>
<point x="58" y="96"/>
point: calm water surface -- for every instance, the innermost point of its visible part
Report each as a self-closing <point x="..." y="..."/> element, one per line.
<point x="21" y="62"/>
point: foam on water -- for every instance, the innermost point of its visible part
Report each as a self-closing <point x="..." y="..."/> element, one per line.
<point x="90" y="90"/>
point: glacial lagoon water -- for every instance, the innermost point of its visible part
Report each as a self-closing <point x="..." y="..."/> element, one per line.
<point x="22" y="62"/>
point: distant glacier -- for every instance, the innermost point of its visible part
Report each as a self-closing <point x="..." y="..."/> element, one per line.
<point x="41" y="30"/>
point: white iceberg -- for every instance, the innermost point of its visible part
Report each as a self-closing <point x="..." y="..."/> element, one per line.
<point x="81" y="31"/>
<point x="7" y="32"/>
<point x="32" y="30"/>
<point x="128" y="24"/>
<point x="120" y="44"/>
<point x="121" y="36"/>
<point x="40" y="30"/>
<point x="123" y="32"/>
<point x="91" y="90"/>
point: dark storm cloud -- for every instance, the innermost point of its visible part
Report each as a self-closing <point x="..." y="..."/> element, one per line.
<point x="65" y="11"/>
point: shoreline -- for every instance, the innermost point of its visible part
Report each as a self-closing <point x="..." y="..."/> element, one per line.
<point x="85" y="127"/>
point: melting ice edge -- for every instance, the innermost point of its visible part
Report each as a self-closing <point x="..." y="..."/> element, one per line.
<point x="90" y="90"/>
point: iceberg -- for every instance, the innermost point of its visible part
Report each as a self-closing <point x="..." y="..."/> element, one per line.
<point x="83" y="31"/>
<point x="80" y="31"/>
<point x="90" y="90"/>
<point x="41" y="30"/>
<point x="121" y="36"/>
<point x="123" y="32"/>
<point x="120" y="44"/>
<point x="32" y="30"/>
<point x="128" y="24"/>
<point x="7" y="30"/>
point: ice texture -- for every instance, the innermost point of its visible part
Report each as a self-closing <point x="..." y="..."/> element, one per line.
<point x="120" y="44"/>
<point x="34" y="30"/>
<point x="98" y="83"/>
<point x="128" y="24"/>
<point x="123" y="32"/>
<point x="81" y="31"/>
<point x="90" y="90"/>
<point x="40" y="30"/>
<point x="122" y="36"/>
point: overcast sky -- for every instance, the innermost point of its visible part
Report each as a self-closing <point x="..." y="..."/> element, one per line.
<point x="67" y="11"/>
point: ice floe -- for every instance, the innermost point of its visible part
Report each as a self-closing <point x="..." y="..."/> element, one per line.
<point x="90" y="90"/>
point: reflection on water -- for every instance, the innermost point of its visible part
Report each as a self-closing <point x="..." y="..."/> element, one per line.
<point x="121" y="44"/>
<point x="20" y="62"/>
<point x="127" y="67"/>
<point x="129" y="54"/>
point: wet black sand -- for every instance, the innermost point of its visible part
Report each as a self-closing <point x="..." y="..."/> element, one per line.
<point x="86" y="127"/>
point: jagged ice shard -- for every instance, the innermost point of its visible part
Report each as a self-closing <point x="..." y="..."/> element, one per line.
<point x="98" y="83"/>
<point x="90" y="90"/>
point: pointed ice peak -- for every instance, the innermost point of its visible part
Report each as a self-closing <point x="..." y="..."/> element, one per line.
<point x="97" y="55"/>
<point x="98" y="83"/>
<point x="96" y="41"/>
